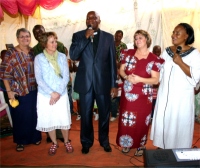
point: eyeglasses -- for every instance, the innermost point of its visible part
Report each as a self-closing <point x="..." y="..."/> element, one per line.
<point x="22" y="37"/>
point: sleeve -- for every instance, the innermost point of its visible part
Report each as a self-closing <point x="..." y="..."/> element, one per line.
<point x="79" y="42"/>
<point x="123" y="56"/>
<point x="125" y="46"/>
<point x="6" y="69"/>
<point x="113" y="64"/>
<point x="158" y="64"/>
<point x="38" y="75"/>
<point x="194" y="68"/>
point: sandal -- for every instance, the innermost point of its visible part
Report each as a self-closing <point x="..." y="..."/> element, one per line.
<point x="37" y="143"/>
<point x="140" y="151"/>
<point x="69" y="148"/>
<point x="125" y="150"/>
<point x="19" y="147"/>
<point x="52" y="150"/>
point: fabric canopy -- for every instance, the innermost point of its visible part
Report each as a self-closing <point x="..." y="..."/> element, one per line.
<point x="27" y="7"/>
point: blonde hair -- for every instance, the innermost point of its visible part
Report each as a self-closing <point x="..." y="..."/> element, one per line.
<point x="145" y="34"/>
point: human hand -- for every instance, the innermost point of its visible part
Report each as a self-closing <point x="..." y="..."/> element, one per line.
<point x="177" y="59"/>
<point x="12" y="95"/>
<point x="134" y="78"/>
<point x="75" y="68"/>
<point x="55" y="96"/>
<point x="89" y="32"/>
<point x="114" y="92"/>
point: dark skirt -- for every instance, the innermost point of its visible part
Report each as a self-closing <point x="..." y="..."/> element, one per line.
<point x="24" y="119"/>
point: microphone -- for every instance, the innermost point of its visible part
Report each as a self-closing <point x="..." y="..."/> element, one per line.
<point x="91" y="38"/>
<point x="178" y="49"/>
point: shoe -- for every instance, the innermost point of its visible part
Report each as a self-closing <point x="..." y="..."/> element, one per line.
<point x="48" y="140"/>
<point x="69" y="148"/>
<point x="19" y="148"/>
<point x="107" y="148"/>
<point x="140" y="151"/>
<point x="78" y="117"/>
<point x="96" y="117"/>
<point x="125" y="150"/>
<point x="53" y="149"/>
<point x="112" y="118"/>
<point x="85" y="150"/>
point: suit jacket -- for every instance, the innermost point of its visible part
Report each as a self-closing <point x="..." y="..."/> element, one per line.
<point x="99" y="70"/>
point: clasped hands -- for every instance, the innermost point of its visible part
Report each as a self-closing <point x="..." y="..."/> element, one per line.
<point x="55" y="96"/>
<point x="133" y="78"/>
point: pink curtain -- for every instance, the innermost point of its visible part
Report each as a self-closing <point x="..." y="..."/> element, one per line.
<point x="1" y="14"/>
<point x="49" y="4"/>
<point x="76" y="1"/>
<point x="10" y="6"/>
<point x="27" y="7"/>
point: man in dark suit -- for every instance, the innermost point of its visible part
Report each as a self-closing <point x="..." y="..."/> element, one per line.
<point x="95" y="78"/>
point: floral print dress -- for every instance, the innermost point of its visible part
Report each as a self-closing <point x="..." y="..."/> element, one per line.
<point x="136" y="100"/>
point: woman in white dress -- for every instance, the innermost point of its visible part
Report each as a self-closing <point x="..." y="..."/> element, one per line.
<point x="52" y="76"/>
<point x="173" y="121"/>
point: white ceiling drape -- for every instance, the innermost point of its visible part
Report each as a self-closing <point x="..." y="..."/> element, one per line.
<point x="174" y="12"/>
<point x="158" y="17"/>
<point x="128" y="17"/>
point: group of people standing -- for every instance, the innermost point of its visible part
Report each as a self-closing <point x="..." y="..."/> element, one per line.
<point x="43" y="78"/>
<point x="38" y="77"/>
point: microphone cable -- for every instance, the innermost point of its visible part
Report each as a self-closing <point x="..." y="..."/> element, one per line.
<point x="126" y="154"/>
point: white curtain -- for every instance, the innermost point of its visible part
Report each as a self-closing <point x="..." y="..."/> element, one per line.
<point x="127" y="16"/>
<point x="175" y="12"/>
<point x="148" y="17"/>
<point x="70" y="17"/>
<point x="158" y="17"/>
<point x="8" y="29"/>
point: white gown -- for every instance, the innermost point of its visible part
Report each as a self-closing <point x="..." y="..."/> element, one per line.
<point x="173" y="121"/>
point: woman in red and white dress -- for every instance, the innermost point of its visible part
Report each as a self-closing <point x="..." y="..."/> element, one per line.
<point x="140" y="70"/>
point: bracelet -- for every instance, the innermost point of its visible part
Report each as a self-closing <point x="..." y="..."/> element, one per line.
<point x="8" y="90"/>
<point x="125" y="77"/>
